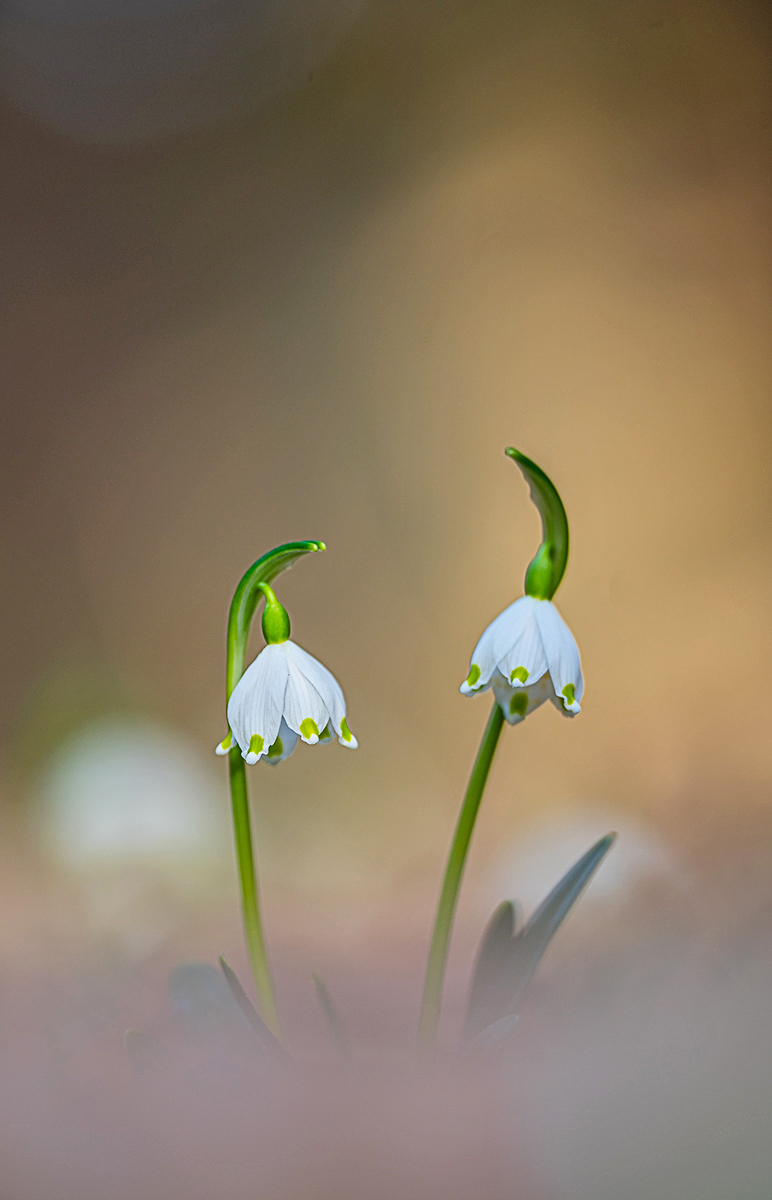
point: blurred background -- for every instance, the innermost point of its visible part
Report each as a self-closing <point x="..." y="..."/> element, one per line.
<point x="286" y="269"/>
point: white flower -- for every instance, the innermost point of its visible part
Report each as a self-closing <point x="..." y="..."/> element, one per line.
<point x="283" y="695"/>
<point x="527" y="655"/>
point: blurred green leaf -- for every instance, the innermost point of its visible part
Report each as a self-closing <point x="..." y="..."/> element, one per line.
<point x="507" y="961"/>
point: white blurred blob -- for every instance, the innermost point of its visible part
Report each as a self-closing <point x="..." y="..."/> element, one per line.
<point x="534" y="864"/>
<point x="138" y="814"/>
<point x="128" y="790"/>
<point x="128" y="70"/>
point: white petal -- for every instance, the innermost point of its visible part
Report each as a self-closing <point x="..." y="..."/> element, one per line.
<point x="302" y="701"/>
<point x="500" y="636"/>
<point x="285" y="742"/>
<point x="526" y="655"/>
<point x="323" y="680"/>
<point x="328" y="688"/>
<point x="562" y="657"/>
<point x="256" y="705"/>
<point x="518" y="703"/>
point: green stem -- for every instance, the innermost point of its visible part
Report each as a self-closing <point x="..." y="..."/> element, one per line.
<point x="250" y="894"/>
<point x="438" y="952"/>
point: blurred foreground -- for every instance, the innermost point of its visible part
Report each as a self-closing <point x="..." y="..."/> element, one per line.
<point x="641" y="1066"/>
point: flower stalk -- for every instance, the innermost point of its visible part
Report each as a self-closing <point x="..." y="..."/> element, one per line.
<point x="250" y="894"/>
<point x="438" y="951"/>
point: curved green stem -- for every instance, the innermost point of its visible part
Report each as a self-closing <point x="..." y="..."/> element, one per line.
<point x="242" y="610"/>
<point x="548" y="566"/>
<point x="438" y="952"/>
<point x="245" y="600"/>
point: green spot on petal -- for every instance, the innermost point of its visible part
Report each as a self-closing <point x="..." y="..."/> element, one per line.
<point x="568" y="692"/>
<point x="227" y="742"/>
<point x="256" y="743"/>
<point x="276" y="749"/>
<point x="326" y="734"/>
<point x="518" y="705"/>
<point x="473" y="675"/>
<point x="309" y="728"/>
<point x="345" y="732"/>
<point x="519" y="673"/>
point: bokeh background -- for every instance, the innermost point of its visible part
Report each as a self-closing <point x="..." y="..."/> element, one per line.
<point x="302" y="270"/>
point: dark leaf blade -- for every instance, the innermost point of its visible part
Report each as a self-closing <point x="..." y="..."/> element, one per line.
<point x="490" y="991"/>
<point x="495" y="1034"/>
<point x="268" y="1040"/>
<point x="536" y="935"/>
<point x="506" y="964"/>
<point x="333" y="1019"/>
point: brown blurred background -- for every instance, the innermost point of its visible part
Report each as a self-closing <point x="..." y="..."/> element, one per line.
<point x="304" y="272"/>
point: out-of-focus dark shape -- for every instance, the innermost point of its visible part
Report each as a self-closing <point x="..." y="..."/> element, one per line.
<point x="491" y="989"/>
<point x="130" y="70"/>
<point x="202" y="1000"/>
<point x="267" y="1040"/>
<point x="495" y="1034"/>
<point x="332" y="1017"/>
<point x="507" y="960"/>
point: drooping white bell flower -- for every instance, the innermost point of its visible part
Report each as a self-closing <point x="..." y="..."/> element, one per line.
<point x="527" y="655"/>
<point x="284" y="695"/>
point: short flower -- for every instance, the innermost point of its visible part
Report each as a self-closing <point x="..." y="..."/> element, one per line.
<point x="283" y="695"/>
<point x="527" y="655"/>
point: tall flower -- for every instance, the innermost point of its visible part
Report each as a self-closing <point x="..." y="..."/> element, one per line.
<point x="284" y="695"/>
<point x="527" y="655"/>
